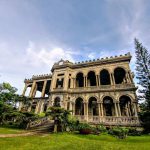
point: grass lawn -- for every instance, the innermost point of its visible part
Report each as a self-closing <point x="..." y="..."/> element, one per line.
<point x="4" y="130"/>
<point x="66" y="141"/>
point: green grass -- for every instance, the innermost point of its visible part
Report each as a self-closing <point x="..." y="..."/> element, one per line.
<point x="66" y="141"/>
<point x="4" y="130"/>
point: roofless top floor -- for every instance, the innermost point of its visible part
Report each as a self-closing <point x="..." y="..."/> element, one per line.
<point x="99" y="73"/>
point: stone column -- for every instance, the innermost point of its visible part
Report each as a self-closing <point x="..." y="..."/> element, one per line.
<point x="119" y="112"/>
<point x="84" y="81"/>
<point x="87" y="111"/>
<point x="113" y="78"/>
<point x="97" y="84"/>
<point x="32" y="89"/>
<point x="116" y="111"/>
<point x="24" y="90"/>
<point x="74" y="81"/>
<point x="135" y="109"/>
<point x="73" y="108"/>
<point x="129" y="109"/>
<point x="84" y="109"/>
<point x="41" y="106"/>
<point x="99" y="79"/>
<point x="99" y="109"/>
<point x="37" y="107"/>
<point x="102" y="110"/>
<point x="130" y="76"/>
<point x="43" y="90"/>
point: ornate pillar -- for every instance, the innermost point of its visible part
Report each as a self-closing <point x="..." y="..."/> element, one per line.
<point x="102" y="110"/>
<point x="74" y="82"/>
<point x="73" y="108"/>
<point x="70" y="106"/>
<point x="130" y="76"/>
<point x="129" y="110"/>
<point x="113" y="79"/>
<point x="99" y="79"/>
<point x="41" y="106"/>
<point x="37" y="107"/>
<point x="135" y="109"/>
<point x="24" y="90"/>
<point x="119" y="112"/>
<point x="99" y="109"/>
<point x="97" y="83"/>
<point x="116" y="111"/>
<point x="87" y="111"/>
<point x="32" y="89"/>
<point x="84" y="81"/>
<point x="43" y="90"/>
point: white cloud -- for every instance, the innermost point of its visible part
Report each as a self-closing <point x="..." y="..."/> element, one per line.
<point x="47" y="56"/>
<point x="91" y="55"/>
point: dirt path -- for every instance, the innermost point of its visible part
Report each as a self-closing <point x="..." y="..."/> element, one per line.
<point x="16" y="135"/>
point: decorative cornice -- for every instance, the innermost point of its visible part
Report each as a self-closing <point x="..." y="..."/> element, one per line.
<point x="65" y="64"/>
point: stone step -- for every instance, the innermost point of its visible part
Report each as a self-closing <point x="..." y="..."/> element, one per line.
<point x="43" y="128"/>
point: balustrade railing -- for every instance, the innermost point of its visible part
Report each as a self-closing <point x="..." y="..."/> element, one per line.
<point x="39" y="122"/>
<point x="108" y="120"/>
<point x="102" y="87"/>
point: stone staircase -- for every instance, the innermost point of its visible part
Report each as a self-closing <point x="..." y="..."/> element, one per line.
<point x="41" y="125"/>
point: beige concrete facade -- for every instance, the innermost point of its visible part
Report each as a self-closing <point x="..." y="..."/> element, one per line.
<point x="97" y="91"/>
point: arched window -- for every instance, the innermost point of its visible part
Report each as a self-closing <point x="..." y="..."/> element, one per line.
<point x="104" y="77"/>
<point x="57" y="102"/>
<point x="108" y="106"/>
<point x="119" y="75"/>
<point x="91" y="78"/>
<point x="79" y="106"/>
<point x="125" y="106"/>
<point x="79" y="80"/>
<point x="93" y="106"/>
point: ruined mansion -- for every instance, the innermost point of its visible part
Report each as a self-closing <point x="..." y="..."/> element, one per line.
<point x="98" y="91"/>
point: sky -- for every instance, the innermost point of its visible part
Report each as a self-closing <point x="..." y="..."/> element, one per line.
<point x="36" y="33"/>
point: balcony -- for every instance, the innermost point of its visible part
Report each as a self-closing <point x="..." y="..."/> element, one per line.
<point x="110" y="120"/>
<point x="102" y="88"/>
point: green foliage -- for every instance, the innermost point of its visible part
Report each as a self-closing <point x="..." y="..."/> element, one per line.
<point x="9" y="114"/>
<point x="60" y="117"/>
<point x="73" y="123"/>
<point x="85" y="128"/>
<point x="101" y="128"/>
<point x="143" y="72"/>
<point x="134" y="132"/>
<point x="119" y="132"/>
<point x="68" y="141"/>
<point x="145" y="118"/>
<point x="41" y="115"/>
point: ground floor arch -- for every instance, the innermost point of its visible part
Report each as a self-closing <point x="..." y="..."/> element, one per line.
<point x="108" y="106"/>
<point x="79" y="106"/>
<point x="93" y="106"/>
<point x="56" y="102"/>
<point x="125" y="106"/>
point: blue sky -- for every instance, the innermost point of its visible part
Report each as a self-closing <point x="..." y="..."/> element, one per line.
<point x="36" y="33"/>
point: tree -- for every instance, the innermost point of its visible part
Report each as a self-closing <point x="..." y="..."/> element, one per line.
<point x="143" y="73"/>
<point x="60" y="117"/>
<point x="9" y="114"/>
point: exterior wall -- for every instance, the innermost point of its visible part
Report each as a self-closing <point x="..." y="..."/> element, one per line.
<point x="69" y="95"/>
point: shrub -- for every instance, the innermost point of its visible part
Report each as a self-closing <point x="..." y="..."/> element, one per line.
<point x="145" y="118"/>
<point x="85" y="128"/>
<point x="73" y="124"/>
<point x="134" y="132"/>
<point x="119" y="132"/>
<point x="101" y="128"/>
<point x="41" y="115"/>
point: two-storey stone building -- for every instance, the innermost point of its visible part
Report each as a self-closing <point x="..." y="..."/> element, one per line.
<point x="97" y="91"/>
